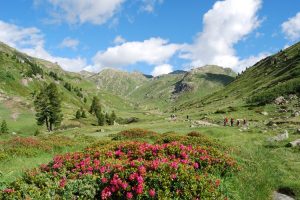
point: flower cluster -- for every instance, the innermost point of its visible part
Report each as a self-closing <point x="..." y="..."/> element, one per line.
<point x="133" y="170"/>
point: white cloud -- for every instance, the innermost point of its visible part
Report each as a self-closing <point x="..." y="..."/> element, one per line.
<point x="119" y="40"/>
<point x="250" y="61"/>
<point x="291" y="28"/>
<point x="149" y="5"/>
<point x="225" y="25"/>
<point x="31" y="41"/>
<point x="69" y="43"/>
<point x="162" y="69"/>
<point x="154" y="51"/>
<point x="83" y="11"/>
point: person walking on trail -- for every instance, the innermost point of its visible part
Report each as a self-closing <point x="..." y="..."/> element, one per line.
<point x="231" y="121"/>
<point x="244" y="122"/>
<point x="225" y="121"/>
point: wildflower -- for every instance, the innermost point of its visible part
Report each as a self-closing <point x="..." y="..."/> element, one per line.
<point x="129" y="195"/>
<point x="152" y="192"/>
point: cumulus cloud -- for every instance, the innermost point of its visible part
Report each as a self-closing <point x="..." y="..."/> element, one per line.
<point x="69" y="43"/>
<point x="79" y="11"/>
<point x="149" y="5"/>
<point x="250" y="61"/>
<point x="119" y="40"/>
<point x="224" y="25"/>
<point x="291" y="28"/>
<point x="162" y="69"/>
<point x="154" y="51"/>
<point x="31" y="41"/>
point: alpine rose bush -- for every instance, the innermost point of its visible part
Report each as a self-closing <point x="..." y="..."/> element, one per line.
<point x="129" y="170"/>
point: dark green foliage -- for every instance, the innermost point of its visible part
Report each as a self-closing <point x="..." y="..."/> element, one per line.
<point x="78" y="114"/>
<point x="34" y="69"/>
<point x="112" y="118"/>
<point x="267" y="96"/>
<point x="68" y="86"/>
<point x="4" y="128"/>
<point x="84" y="100"/>
<point x="6" y="76"/>
<point x="95" y="106"/>
<point x="55" y="76"/>
<point x="101" y="118"/>
<point x="83" y="115"/>
<point x="48" y="107"/>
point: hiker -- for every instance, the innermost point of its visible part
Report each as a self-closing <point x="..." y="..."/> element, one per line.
<point x="231" y="121"/>
<point x="225" y="121"/>
<point x="238" y="122"/>
<point x="244" y="122"/>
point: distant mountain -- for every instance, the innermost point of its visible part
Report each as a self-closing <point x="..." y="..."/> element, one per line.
<point x="118" y="82"/>
<point x="178" y="72"/>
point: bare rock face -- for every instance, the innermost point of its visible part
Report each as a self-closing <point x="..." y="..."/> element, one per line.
<point x="295" y="143"/>
<point x="293" y="97"/>
<point x="280" y="196"/>
<point x="279" y="137"/>
<point x="280" y="100"/>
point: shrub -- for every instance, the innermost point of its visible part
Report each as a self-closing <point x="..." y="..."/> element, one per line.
<point x="132" y="170"/>
<point x="136" y="133"/>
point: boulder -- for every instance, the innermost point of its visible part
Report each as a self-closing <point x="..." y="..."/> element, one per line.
<point x="282" y="110"/>
<point x="280" y="100"/>
<point x="295" y="143"/>
<point x="280" y="196"/>
<point x="279" y="137"/>
<point x="295" y="114"/>
<point x="293" y="97"/>
<point x="264" y="113"/>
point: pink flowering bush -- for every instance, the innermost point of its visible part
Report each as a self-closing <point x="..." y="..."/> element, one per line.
<point x="129" y="170"/>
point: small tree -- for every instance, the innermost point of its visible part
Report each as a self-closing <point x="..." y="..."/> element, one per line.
<point x="113" y="117"/>
<point x="95" y="106"/>
<point x="4" y="128"/>
<point x="48" y="107"/>
<point x="101" y="118"/>
<point x="83" y="115"/>
<point x="78" y="114"/>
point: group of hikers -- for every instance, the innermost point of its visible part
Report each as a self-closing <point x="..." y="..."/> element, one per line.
<point x="231" y="122"/>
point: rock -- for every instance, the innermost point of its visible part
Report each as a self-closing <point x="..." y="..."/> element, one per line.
<point x="280" y="196"/>
<point x="298" y="131"/>
<point x="294" y="143"/>
<point x="280" y="137"/>
<point x="293" y="97"/>
<point x="264" y="113"/>
<point x="280" y="100"/>
<point x="14" y="133"/>
<point x="282" y="110"/>
<point x="295" y="114"/>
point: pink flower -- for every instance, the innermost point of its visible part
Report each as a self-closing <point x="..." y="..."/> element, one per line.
<point x="104" y="180"/>
<point x="8" y="190"/>
<point x="140" y="179"/>
<point x="139" y="189"/>
<point x="142" y="170"/>
<point x="129" y="195"/>
<point x="173" y="176"/>
<point x="124" y="185"/>
<point x="106" y="193"/>
<point x="174" y="165"/>
<point x="152" y="192"/>
<point x="196" y="165"/>
<point x="62" y="182"/>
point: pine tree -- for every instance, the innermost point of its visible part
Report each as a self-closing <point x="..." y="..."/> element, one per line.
<point x="95" y="106"/>
<point x="78" y="114"/>
<point x="101" y="118"/>
<point x="84" y="100"/>
<point x="113" y="118"/>
<point x="4" y="128"/>
<point x="83" y="115"/>
<point x="107" y="118"/>
<point x="48" y="107"/>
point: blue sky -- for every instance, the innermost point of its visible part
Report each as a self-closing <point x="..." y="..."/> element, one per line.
<point x="151" y="36"/>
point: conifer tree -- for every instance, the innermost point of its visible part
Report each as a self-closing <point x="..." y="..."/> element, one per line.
<point x="48" y="107"/>
<point x="95" y="106"/>
<point x="78" y="114"/>
<point x="113" y="118"/>
<point x="4" y="128"/>
<point x="83" y="115"/>
<point x="101" y="118"/>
